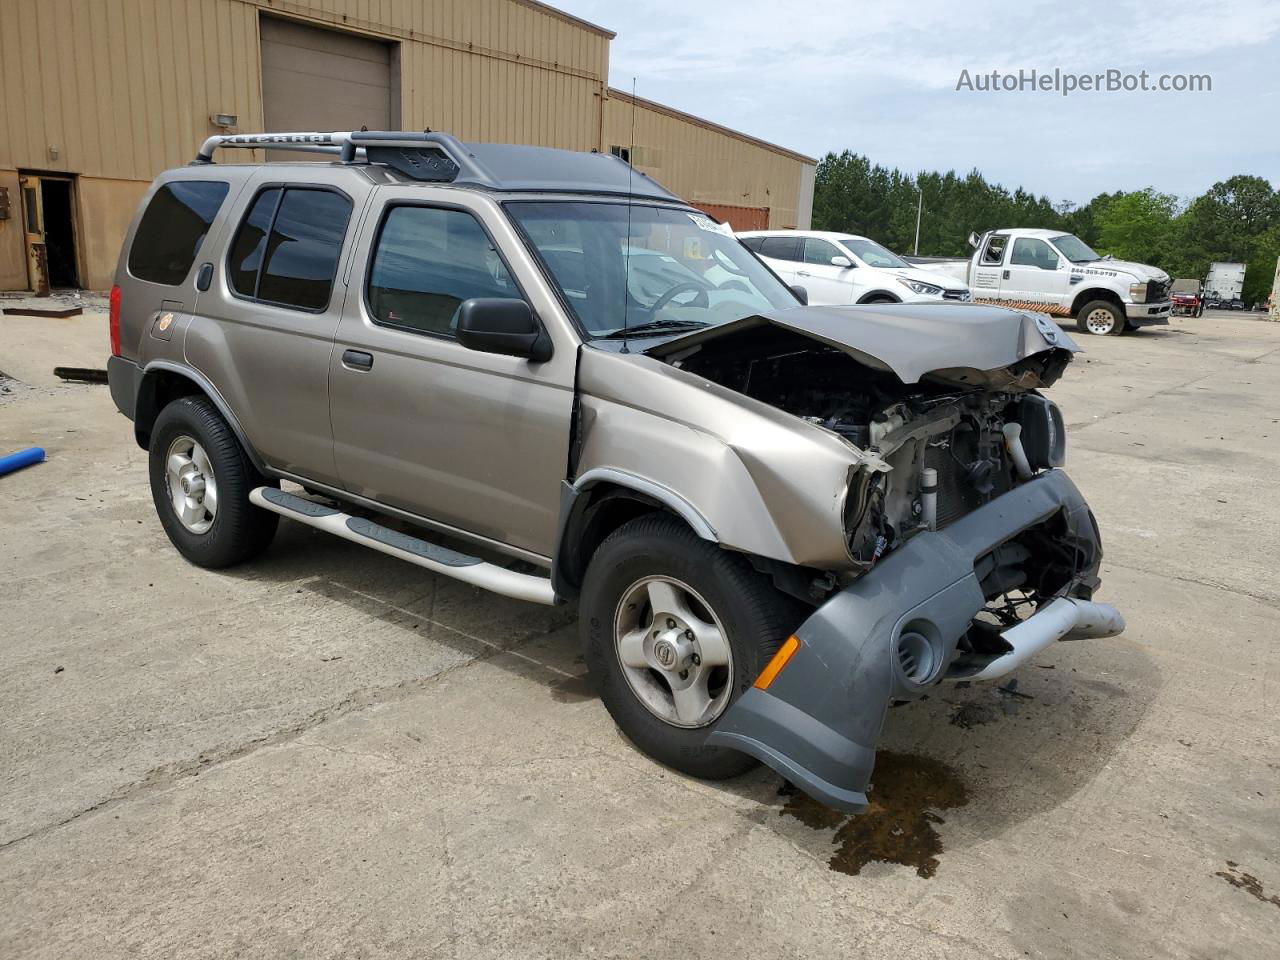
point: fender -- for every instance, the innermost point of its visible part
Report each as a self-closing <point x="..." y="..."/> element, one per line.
<point x="664" y="495"/>
<point x="210" y="391"/>
<point x="568" y="564"/>
<point x="1095" y="293"/>
<point x="870" y="294"/>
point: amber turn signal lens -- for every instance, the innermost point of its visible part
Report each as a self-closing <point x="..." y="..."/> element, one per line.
<point x="770" y="672"/>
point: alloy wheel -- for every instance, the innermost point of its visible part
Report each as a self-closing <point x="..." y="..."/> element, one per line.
<point x="192" y="487"/>
<point x="674" y="652"/>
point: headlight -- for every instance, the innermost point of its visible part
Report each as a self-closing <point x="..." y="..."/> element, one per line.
<point x="1138" y="292"/>
<point x="1044" y="435"/>
<point x="924" y="289"/>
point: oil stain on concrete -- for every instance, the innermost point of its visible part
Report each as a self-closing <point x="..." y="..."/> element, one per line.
<point x="1247" y="882"/>
<point x="900" y="823"/>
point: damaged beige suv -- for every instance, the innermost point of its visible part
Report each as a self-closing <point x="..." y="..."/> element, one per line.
<point x="776" y="520"/>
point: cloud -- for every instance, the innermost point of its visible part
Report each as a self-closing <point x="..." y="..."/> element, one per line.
<point x="880" y="79"/>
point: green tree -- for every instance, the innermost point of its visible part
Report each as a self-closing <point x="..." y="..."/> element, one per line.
<point x="1136" y="226"/>
<point x="1236" y="220"/>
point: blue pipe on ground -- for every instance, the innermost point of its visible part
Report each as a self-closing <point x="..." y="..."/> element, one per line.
<point x="23" y="458"/>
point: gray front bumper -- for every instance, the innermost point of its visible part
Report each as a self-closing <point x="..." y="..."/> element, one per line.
<point x="820" y="720"/>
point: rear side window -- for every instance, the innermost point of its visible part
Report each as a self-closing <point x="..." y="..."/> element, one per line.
<point x="781" y="248"/>
<point x="172" y="228"/>
<point x="287" y="247"/>
<point x="427" y="261"/>
<point x="752" y="243"/>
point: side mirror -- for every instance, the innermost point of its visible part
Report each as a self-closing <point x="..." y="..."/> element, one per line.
<point x="801" y="294"/>
<point x="973" y="240"/>
<point x="508" y="327"/>
<point x="841" y="262"/>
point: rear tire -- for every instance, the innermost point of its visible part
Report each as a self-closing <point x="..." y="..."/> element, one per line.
<point x="1101" y="318"/>
<point x="726" y="622"/>
<point x="200" y="482"/>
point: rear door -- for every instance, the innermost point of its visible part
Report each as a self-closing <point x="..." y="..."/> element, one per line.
<point x="472" y="441"/>
<point x="988" y="266"/>
<point x="783" y="255"/>
<point x="264" y="330"/>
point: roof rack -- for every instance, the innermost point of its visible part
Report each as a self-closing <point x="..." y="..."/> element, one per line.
<point x="422" y="156"/>
<point x="440" y="158"/>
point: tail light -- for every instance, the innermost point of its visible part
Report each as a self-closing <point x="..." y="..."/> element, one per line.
<point x="114" y="320"/>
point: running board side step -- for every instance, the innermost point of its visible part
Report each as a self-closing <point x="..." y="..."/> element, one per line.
<point x="421" y="553"/>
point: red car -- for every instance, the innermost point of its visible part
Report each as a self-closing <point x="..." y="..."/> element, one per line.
<point x="1186" y="304"/>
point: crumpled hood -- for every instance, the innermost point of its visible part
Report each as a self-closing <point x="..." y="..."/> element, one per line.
<point x="962" y="343"/>
<point x="1140" y="271"/>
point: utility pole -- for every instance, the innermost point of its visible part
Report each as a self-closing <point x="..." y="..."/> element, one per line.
<point x="919" y="209"/>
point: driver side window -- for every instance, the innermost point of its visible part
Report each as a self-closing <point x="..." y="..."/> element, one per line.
<point x="427" y="261"/>
<point x="1029" y="252"/>
<point x="819" y="252"/>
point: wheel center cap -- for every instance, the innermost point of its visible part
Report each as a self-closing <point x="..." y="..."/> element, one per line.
<point x="672" y="649"/>
<point x="193" y="485"/>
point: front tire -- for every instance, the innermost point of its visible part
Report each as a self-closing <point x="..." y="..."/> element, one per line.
<point x="675" y="629"/>
<point x="200" y="482"/>
<point x="1102" y="318"/>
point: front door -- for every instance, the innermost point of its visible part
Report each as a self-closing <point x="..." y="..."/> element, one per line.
<point x="988" y="265"/>
<point x="1036" y="276"/>
<point x="473" y="441"/>
<point x="826" y="282"/>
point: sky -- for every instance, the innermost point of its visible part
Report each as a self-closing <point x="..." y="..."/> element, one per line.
<point x="881" y="79"/>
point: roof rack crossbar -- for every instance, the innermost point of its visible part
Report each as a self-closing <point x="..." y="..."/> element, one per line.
<point x="347" y="144"/>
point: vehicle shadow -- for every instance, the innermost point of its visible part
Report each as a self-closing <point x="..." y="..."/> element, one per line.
<point x="468" y="620"/>
<point x="959" y="767"/>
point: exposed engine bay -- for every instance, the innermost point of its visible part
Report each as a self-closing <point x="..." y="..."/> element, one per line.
<point x="934" y="450"/>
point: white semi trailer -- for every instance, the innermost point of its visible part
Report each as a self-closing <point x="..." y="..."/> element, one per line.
<point x="1225" y="283"/>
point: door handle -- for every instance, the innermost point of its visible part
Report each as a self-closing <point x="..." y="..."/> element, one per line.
<point x="803" y="273"/>
<point x="357" y="360"/>
<point x="1006" y="275"/>
<point x="205" y="277"/>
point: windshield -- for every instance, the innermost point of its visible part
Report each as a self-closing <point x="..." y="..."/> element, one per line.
<point x="678" y="271"/>
<point x="872" y="254"/>
<point x="1074" y="249"/>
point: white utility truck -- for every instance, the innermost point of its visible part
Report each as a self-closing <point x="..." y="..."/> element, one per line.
<point x="1057" y="273"/>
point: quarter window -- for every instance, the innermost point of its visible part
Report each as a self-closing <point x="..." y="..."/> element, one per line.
<point x="172" y="229"/>
<point x="287" y="248"/>
<point x="427" y="261"/>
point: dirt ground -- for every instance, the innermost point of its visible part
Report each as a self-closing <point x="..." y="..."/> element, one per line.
<point x="330" y="753"/>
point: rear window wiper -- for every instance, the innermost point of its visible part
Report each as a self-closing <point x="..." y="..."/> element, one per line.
<point x="654" y="326"/>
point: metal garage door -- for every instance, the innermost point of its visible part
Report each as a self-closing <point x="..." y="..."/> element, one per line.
<point x="317" y="79"/>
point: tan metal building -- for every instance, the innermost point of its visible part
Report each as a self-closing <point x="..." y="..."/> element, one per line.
<point x="98" y="96"/>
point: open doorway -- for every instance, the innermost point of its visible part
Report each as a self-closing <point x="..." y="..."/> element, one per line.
<point x="49" y="213"/>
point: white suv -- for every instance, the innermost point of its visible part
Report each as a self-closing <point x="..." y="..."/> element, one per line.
<point x="839" y="268"/>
